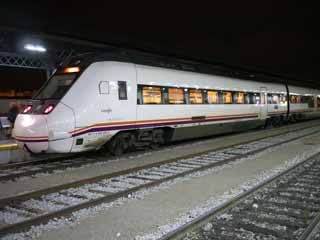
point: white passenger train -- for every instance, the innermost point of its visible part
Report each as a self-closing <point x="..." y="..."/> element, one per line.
<point x="98" y="101"/>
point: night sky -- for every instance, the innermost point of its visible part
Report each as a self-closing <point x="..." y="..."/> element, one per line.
<point x="277" y="36"/>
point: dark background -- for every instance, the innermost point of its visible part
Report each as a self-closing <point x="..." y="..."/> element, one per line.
<point x="21" y="79"/>
<point x="280" y="37"/>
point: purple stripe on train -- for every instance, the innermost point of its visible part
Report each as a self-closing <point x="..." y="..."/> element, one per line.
<point x="134" y="126"/>
<point x="32" y="140"/>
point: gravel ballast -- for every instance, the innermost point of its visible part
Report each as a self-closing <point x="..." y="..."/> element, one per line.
<point x="148" y="214"/>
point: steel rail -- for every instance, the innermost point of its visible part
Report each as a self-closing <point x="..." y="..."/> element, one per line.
<point x="180" y="232"/>
<point x="312" y="226"/>
<point x="35" y="161"/>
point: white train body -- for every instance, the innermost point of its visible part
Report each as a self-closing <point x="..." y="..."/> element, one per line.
<point x="107" y="98"/>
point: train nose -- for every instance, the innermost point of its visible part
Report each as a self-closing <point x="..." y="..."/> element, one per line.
<point x="31" y="132"/>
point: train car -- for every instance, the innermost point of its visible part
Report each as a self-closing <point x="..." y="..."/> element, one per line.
<point x="297" y="103"/>
<point x="117" y="104"/>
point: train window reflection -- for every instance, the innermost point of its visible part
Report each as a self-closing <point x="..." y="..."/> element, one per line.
<point x="248" y="97"/>
<point x="213" y="97"/>
<point x="275" y="99"/>
<point x="176" y="96"/>
<point x="256" y="98"/>
<point x="151" y="95"/>
<point x="195" y="96"/>
<point x="227" y="97"/>
<point x="269" y="98"/>
<point x="309" y="100"/>
<point x="295" y="99"/>
<point x="239" y="98"/>
<point x="283" y="99"/>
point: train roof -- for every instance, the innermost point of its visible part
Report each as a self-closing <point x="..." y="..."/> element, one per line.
<point x="86" y="59"/>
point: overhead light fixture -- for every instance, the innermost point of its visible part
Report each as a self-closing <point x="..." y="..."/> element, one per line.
<point x="35" y="48"/>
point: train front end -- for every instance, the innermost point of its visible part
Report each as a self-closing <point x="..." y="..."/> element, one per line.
<point x="44" y="125"/>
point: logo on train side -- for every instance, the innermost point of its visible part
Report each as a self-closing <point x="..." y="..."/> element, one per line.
<point x="109" y="110"/>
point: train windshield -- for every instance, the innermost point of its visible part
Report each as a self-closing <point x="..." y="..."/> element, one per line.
<point x="56" y="87"/>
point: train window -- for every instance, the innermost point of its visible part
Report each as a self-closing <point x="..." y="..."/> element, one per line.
<point x="298" y="99"/>
<point x="283" y="99"/>
<point x="176" y="96"/>
<point x="238" y="98"/>
<point x="152" y="95"/>
<point x="309" y="100"/>
<point x="256" y="98"/>
<point x="122" y="90"/>
<point x="248" y="98"/>
<point x="269" y="98"/>
<point x="227" y="97"/>
<point x="318" y="101"/>
<point x="304" y="99"/>
<point x="213" y="97"/>
<point x="104" y="87"/>
<point x="295" y="99"/>
<point x="165" y="95"/>
<point x="275" y="99"/>
<point x="195" y="96"/>
<point x="56" y="87"/>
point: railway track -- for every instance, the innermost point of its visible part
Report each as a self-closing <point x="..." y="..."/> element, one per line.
<point x="19" y="213"/>
<point x="284" y="207"/>
<point x="14" y="171"/>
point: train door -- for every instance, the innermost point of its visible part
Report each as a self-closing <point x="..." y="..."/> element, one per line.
<point x="263" y="103"/>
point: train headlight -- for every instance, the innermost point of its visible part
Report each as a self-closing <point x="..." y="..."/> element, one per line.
<point x="48" y="109"/>
<point x="27" y="121"/>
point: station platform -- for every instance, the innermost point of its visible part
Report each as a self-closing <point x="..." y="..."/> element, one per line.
<point x="8" y="145"/>
<point x="10" y="152"/>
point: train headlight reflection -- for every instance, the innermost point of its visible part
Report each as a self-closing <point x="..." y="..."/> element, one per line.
<point x="27" y="121"/>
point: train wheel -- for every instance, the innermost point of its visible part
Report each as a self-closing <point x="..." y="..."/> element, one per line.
<point x="268" y="124"/>
<point x="157" y="138"/>
<point x="281" y="121"/>
<point x="118" y="145"/>
<point x="276" y="122"/>
<point x="291" y="119"/>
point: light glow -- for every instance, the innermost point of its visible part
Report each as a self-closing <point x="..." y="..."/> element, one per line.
<point x="27" y="109"/>
<point x="71" y="70"/>
<point x="48" y="109"/>
<point x="35" y="48"/>
<point x="27" y="121"/>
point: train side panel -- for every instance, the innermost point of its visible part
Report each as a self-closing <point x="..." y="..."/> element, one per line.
<point x="219" y="118"/>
